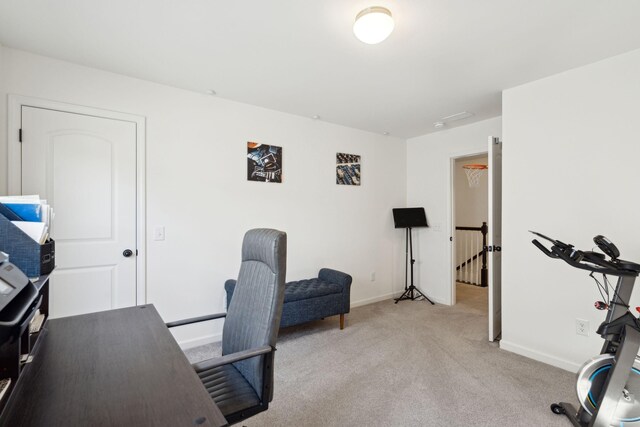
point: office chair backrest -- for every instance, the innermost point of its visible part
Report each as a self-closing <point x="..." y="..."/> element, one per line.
<point x="253" y="316"/>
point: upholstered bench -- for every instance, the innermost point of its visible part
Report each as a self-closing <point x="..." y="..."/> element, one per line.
<point x="312" y="299"/>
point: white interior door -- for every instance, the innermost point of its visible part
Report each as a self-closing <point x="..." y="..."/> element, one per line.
<point x="495" y="238"/>
<point x="85" y="166"/>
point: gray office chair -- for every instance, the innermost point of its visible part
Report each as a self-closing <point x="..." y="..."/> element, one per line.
<point x="241" y="381"/>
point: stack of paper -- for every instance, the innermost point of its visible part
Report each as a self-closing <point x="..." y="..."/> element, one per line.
<point x="30" y="214"/>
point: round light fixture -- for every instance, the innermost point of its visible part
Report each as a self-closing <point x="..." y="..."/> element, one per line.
<point x="373" y="25"/>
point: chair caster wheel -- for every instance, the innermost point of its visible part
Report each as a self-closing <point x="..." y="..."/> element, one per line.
<point x="557" y="409"/>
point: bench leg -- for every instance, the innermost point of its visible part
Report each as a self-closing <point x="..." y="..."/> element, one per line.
<point x="342" y="321"/>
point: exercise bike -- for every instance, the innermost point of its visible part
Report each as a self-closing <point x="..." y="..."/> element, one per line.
<point x="608" y="385"/>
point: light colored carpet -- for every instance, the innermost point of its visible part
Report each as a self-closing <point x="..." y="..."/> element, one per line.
<point x="407" y="364"/>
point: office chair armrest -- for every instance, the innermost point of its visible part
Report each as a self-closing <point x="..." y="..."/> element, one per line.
<point x="231" y="358"/>
<point x="195" y="320"/>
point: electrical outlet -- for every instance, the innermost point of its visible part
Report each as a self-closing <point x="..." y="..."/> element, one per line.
<point x="373" y="276"/>
<point x="582" y="327"/>
<point x="158" y="233"/>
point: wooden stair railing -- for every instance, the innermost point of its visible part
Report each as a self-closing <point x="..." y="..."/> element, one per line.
<point x="471" y="271"/>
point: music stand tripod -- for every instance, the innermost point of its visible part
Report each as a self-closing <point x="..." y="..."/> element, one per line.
<point x="410" y="292"/>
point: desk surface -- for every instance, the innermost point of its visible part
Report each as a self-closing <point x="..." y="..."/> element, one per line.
<point x="113" y="368"/>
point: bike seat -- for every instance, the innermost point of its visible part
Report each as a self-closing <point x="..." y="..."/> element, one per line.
<point x="593" y="254"/>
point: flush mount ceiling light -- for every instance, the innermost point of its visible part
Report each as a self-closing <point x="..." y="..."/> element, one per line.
<point x="373" y="25"/>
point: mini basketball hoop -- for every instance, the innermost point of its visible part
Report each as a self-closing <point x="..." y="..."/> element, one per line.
<point x="474" y="172"/>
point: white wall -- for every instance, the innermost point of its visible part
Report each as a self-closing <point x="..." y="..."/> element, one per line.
<point x="197" y="187"/>
<point x="570" y="170"/>
<point x="429" y="176"/>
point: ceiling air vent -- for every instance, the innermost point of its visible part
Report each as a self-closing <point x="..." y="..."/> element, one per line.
<point x="456" y="117"/>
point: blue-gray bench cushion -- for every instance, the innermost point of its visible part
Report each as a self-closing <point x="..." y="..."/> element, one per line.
<point x="311" y="299"/>
<point x="309" y="288"/>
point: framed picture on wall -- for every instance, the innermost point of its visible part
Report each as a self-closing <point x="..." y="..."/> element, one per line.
<point x="347" y="169"/>
<point x="264" y="162"/>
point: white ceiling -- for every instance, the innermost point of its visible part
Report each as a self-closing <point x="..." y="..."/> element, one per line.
<point x="300" y="56"/>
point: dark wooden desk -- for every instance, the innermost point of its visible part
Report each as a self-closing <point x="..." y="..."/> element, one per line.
<point x="114" y="368"/>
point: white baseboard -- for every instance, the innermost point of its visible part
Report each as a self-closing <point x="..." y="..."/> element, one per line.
<point x="390" y="295"/>
<point x="196" y="342"/>
<point x="540" y="357"/>
<point x="439" y="301"/>
<point x="372" y="300"/>
<point x="208" y="339"/>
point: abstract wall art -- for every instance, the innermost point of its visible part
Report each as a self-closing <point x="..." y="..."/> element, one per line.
<point x="264" y="162"/>
<point x="347" y="169"/>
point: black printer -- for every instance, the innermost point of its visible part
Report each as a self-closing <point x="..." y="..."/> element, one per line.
<point x="17" y="300"/>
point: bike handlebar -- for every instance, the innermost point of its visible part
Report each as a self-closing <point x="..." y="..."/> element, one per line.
<point x="586" y="260"/>
<point x="544" y="249"/>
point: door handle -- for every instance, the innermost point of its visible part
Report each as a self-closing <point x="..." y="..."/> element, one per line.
<point x="127" y="253"/>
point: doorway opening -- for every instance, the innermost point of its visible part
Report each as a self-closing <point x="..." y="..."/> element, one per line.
<point x="470" y="209"/>
<point x="482" y="254"/>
